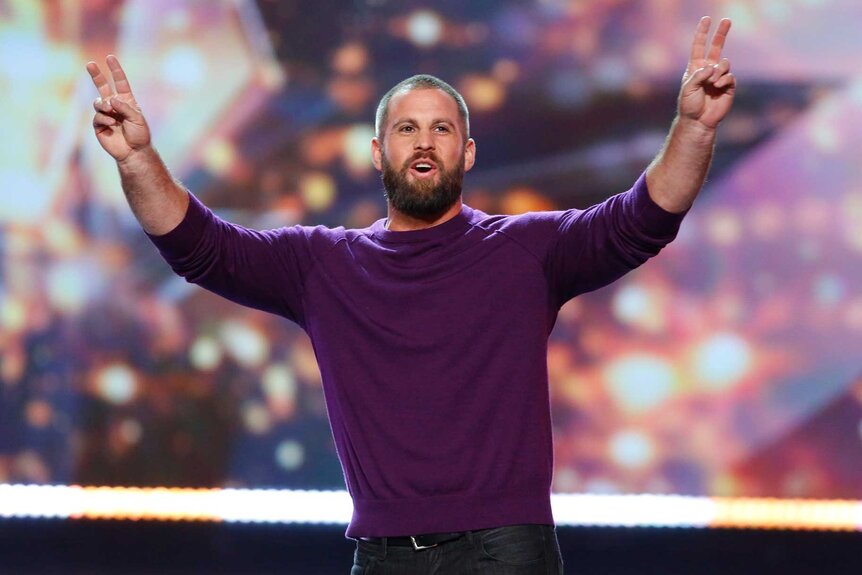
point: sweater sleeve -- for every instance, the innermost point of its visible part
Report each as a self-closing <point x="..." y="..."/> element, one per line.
<point x="260" y="269"/>
<point x="596" y="246"/>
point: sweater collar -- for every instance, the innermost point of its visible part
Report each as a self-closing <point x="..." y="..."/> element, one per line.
<point x="459" y="223"/>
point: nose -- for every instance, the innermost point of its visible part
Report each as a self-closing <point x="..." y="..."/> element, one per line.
<point x="424" y="141"/>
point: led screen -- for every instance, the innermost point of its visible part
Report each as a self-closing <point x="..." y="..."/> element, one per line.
<point x="729" y="365"/>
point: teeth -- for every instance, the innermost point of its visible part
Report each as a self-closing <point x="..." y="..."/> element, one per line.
<point x="423" y="166"/>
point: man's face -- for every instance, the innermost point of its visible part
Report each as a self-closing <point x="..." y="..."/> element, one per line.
<point x="423" y="155"/>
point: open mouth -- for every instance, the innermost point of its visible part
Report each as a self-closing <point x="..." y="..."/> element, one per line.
<point x="423" y="167"/>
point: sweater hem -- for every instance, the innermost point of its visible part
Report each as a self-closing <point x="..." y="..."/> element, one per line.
<point x="443" y="514"/>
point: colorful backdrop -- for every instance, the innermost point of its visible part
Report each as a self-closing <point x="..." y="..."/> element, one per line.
<point x="729" y="365"/>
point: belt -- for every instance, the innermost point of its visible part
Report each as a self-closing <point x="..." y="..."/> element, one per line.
<point x="417" y="542"/>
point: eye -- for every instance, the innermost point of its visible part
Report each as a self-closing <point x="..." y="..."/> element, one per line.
<point x="406" y="128"/>
<point x="442" y="128"/>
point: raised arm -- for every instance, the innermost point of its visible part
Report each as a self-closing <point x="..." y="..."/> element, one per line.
<point x="158" y="201"/>
<point x="677" y="174"/>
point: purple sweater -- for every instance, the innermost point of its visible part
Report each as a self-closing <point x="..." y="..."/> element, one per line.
<point x="432" y="344"/>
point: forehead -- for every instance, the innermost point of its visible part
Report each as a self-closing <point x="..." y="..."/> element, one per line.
<point x="423" y="103"/>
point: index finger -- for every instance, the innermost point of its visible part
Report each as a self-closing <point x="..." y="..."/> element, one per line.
<point x="121" y="83"/>
<point x="99" y="80"/>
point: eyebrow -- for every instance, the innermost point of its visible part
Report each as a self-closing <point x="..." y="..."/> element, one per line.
<point x="433" y="122"/>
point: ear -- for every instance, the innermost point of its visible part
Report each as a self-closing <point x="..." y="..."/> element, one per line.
<point x="377" y="154"/>
<point x="469" y="154"/>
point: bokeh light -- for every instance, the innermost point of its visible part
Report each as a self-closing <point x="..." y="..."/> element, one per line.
<point x="640" y="382"/>
<point x="631" y="449"/>
<point x="640" y="307"/>
<point x="205" y="353"/>
<point x="722" y="361"/>
<point x="246" y="344"/>
<point x="357" y="148"/>
<point x="290" y="455"/>
<point x="116" y="383"/>
<point x="318" y="191"/>
<point x="424" y="28"/>
<point x="256" y="417"/>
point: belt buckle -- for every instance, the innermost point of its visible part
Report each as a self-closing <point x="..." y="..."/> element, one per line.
<point x="417" y="547"/>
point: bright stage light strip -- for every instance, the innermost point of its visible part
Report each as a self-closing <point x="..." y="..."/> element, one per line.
<point x="334" y="507"/>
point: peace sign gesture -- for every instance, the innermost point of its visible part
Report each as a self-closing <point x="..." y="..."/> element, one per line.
<point x="708" y="85"/>
<point x="119" y="124"/>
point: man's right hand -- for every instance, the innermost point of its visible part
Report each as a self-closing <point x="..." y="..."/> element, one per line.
<point x="158" y="201"/>
<point x="119" y="124"/>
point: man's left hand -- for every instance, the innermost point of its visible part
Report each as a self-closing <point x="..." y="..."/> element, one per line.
<point x="708" y="86"/>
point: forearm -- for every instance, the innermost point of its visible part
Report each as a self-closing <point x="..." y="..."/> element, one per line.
<point x="677" y="174"/>
<point x="157" y="200"/>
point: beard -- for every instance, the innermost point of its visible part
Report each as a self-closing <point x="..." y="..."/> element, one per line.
<point x="422" y="199"/>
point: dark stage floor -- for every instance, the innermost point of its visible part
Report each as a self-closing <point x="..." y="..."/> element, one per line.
<point x="114" y="547"/>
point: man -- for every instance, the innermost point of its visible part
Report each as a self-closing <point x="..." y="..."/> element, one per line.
<point x="431" y="326"/>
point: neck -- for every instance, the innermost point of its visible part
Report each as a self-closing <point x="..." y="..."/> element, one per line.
<point x="399" y="222"/>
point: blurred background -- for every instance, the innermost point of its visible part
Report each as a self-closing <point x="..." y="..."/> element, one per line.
<point x="727" y="367"/>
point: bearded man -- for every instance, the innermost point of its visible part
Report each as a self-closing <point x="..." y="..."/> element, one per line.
<point x="431" y="326"/>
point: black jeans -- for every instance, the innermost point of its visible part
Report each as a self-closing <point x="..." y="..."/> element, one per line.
<point x="512" y="550"/>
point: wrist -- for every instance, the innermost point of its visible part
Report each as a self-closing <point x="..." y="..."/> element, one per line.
<point x="693" y="130"/>
<point x="137" y="157"/>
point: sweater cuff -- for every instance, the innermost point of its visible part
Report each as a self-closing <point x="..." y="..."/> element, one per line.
<point x="184" y="238"/>
<point x="654" y="219"/>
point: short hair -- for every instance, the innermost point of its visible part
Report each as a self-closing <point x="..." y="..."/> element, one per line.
<point x="420" y="82"/>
